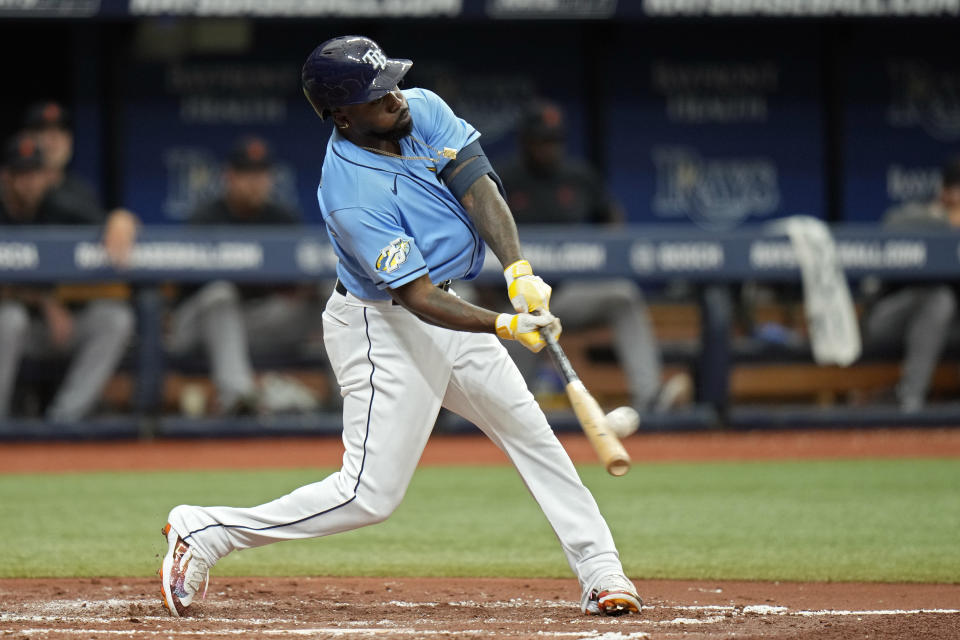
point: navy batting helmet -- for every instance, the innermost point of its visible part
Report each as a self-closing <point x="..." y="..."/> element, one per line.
<point x="349" y="70"/>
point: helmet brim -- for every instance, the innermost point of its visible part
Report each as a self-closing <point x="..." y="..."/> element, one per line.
<point x="387" y="79"/>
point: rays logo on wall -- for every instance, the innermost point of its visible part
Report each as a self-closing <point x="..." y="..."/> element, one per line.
<point x="715" y="193"/>
<point x="393" y="255"/>
<point x="191" y="178"/>
<point x="921" y="96"/>
<point x="194" y="177"/>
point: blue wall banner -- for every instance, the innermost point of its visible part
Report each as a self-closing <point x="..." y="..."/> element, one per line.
<point x="184" y="113"/>
<point x="715" y="128"/>
<point x="901" y="119"/>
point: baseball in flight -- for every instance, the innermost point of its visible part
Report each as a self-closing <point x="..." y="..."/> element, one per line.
<point x="623" y="421"/>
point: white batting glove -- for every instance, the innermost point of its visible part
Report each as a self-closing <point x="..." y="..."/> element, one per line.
<point x="527" y="292"/>
<point x="527" y="328"/>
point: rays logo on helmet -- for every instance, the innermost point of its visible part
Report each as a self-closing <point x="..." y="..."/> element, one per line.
<point x="375" y="58"/>
<point x="393" y="255"/>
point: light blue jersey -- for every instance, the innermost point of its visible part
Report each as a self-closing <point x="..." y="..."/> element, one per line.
<point x="392" y="220"/>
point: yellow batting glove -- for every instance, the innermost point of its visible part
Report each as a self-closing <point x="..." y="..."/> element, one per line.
<point x="526" y="328"/>
<point x="527" y="292"/>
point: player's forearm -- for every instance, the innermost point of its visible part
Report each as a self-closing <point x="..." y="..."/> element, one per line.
<point x="448" y="311"/>
<point x="440" y="308"/>
<point x="493" y="219"/>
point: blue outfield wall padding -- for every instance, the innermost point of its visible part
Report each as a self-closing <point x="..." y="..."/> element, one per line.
<point x="802" y="417"/>
<point x="105" y="428"/>
<point x="319" y="423"/>
<point x="698" y="417"/>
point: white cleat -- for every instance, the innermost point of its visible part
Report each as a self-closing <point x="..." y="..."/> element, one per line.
<point x="614" y="595"/>
<point x="182" y="574"/>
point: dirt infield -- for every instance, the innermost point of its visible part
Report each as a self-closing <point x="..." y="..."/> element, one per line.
<point x="388" y="608"/>
<point x="476" y="608"/>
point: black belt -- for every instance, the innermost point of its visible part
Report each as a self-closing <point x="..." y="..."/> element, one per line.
<point x="342" y="290"/>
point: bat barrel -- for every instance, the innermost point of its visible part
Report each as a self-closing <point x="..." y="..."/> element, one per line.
<point x="593" y="421"/>
<point x="589" y="414"/>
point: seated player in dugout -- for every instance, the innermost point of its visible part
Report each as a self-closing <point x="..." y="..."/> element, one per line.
<point x="919" y="316"/>
<point x="410" y="201"/>
<point x="91" y="323"/>
<point x="232" y="322"/>
<point x="50" y="124"/>
<point x="546" y="186"/>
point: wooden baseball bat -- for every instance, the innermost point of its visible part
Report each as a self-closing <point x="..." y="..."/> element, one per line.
<point x="591" y="417"/>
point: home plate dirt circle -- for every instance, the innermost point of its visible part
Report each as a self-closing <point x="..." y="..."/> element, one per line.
<point x="474" y="608"/>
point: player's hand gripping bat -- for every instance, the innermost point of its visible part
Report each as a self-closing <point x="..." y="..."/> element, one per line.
<point x="591" y="417"/>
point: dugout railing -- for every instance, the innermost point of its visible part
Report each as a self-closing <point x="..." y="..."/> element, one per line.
<point x="710" y="263"/>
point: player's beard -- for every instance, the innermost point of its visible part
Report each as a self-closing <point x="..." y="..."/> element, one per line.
<point x="399" y="131"/>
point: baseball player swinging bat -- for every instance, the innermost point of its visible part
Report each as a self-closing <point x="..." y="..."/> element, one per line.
<point x="591" y="417"/>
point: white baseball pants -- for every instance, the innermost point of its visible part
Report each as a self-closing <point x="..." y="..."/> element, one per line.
<point x="395" y="372"/>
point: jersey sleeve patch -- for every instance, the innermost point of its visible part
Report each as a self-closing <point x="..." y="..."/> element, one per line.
<point x="393" y="255"/>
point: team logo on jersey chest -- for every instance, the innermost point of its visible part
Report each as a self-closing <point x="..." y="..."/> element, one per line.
<point x="393" y="255"/>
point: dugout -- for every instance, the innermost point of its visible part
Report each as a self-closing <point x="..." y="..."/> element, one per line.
<point x="711" y="116"/>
